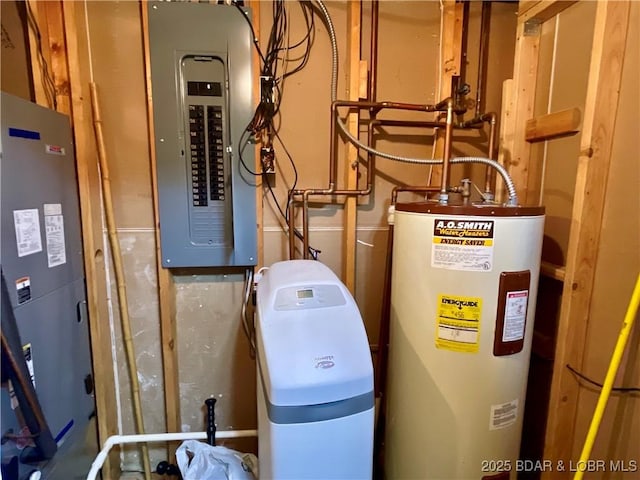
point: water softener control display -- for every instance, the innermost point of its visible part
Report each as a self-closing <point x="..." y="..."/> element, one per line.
<point x="308" y="296"/>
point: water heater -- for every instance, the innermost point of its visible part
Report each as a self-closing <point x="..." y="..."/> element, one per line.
<point x="464" y="284"/>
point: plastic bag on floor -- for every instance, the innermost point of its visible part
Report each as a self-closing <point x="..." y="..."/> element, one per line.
<point x="200" y="461"/>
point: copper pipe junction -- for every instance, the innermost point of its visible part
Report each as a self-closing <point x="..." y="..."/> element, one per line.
<point x="446" y="106"/>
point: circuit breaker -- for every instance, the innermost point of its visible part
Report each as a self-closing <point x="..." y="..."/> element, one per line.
<point x="201" y="80"/>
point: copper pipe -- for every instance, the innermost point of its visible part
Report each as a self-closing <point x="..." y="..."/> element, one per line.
<point x="478" y="120"/>
<point x="333" y="161"/>
<point x="422" y="124"/>
<point x="305" y="225"/>
<point x="371" y="158"/>
<point x="485" y="25"/>
<point x="490" y="173"/>
<point x="331" y="189"/>
<point x="446" y="166"/>
<point x="443" y="105"/>
<point x="292" y="228"/>
<point x="362" y="104"/>
<point x="492" y="119"/>
<point x="398" y="189"/>
<point x="407" y="123"/>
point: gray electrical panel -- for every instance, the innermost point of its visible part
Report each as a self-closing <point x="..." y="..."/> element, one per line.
<point x="42" y="263"/>
<point x="201" y="79"/>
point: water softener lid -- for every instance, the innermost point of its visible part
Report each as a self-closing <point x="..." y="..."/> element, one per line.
<point x="310" y="352"/>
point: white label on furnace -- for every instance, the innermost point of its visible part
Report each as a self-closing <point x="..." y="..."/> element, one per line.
<point x="515" y="315"/>
<point x="28" y="358"/>
<point x="465" y="244"/>
<point x="12" y="395"/>
<point x="54" y="228"/>
<point x="52" y="209"/>
<point x="503" y="415"/>
<point x="27" y="225"/>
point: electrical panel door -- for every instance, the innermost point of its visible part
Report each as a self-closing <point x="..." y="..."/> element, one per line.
<point x="201" y="82"/>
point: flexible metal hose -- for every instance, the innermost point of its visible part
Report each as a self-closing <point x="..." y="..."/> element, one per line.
<point x="513" y="199"/>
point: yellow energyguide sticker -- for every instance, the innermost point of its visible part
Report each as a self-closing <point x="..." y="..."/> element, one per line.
<point x="458" y="323"/>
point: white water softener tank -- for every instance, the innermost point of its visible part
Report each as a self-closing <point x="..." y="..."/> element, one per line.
<point x="464" y="287"/>
<point x="315" y="377"/>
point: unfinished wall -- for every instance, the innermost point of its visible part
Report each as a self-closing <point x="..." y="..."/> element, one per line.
<point x="565" y="53"/>
<point x="15" y="70"/>
<point x="117" y="67"/>
<point x="408" y="71"/>
<point x="213" y="353"/>
<point x="617" y="267"/>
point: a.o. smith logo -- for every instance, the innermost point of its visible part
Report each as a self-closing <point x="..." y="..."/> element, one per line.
<point x="463" y="228"/>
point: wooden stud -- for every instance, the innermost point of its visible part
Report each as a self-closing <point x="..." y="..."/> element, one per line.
<point x="58" y="55"/>
<point x="605" y="72"/>
<point x="516" y="151"/>
<point x="166" y="289"/>
<point x="351" y="202"/>
<point x="49" y="19"/>
<point x="363" y="87"/>
<point x="506" y="130"/>
<point x="255" y="20"/>
<point x="91" y="213"/>
<point x="553" y="125"/>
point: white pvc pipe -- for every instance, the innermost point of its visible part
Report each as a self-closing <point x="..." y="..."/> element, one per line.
<point x="158" y="437"/>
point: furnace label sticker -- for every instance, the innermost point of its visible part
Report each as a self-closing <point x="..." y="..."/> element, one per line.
<point x="54" y="229"/>
<point x="515" y="316"/>
<point x="458" y="323"/>
<point x="28" y="358"/>
<point x="27" y="224"/>
<point x="503" y="415"/>
<point x="23" y="290"/>
<point x="465" y="245"/>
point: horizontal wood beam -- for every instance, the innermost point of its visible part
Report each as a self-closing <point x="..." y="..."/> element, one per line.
<point x="526" y="5"/>
<point x="550" y="270"/>
<point x="553" y="125"/>
<point x="544" y="10"/>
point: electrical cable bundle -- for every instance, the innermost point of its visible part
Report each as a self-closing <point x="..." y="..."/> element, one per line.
<point x="279" y="60"/>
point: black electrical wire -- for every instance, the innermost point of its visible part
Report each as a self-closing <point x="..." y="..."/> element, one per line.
<point x="295" y="172"/>
<point x="308" y="39"/>
<point x="253" y="33"/>
<point x="262" y="124"/>
<point x="599" y="385"/>
<point x="47" y="81"/>
<point x="242" y="143"/>
<point x="247" y="325"/>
